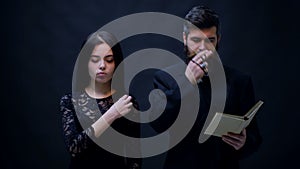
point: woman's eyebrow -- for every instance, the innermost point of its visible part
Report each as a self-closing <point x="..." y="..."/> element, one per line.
<point x="95" y="56"/>
<point x="109" y="56"/>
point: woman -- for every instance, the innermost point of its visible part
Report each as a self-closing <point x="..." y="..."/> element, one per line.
<point x="82" y="121"/>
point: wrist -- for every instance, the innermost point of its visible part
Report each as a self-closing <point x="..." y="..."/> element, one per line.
<point x="111" y="115"/>
<point x="189" y="75"/>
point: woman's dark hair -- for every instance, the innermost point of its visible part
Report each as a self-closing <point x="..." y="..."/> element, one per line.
<point x="81" y="76"/>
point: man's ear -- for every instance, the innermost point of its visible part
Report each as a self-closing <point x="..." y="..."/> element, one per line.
<point x="218" y="41"/>
<point x="184" y="38"/>
<point x="219" y="38"/>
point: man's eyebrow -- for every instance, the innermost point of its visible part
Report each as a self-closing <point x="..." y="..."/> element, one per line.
<point x="195" y="37"/>
<point x="199" y="38"/>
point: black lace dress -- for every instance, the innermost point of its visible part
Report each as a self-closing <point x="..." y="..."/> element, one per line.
<point x="84" y="152"/>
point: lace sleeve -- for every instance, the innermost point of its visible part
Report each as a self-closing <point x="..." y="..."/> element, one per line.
<point x="76" y="139"/>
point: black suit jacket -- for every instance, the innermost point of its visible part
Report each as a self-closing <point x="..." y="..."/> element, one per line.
<point x="214" y="153"/>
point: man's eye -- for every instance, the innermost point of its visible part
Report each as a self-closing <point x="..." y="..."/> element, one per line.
<point x="196" y="40"/>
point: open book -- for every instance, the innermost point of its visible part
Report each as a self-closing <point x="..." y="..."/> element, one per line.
<point x="223" y="123"/>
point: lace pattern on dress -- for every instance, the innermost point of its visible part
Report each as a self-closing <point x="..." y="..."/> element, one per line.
<point x="77" y="137"/>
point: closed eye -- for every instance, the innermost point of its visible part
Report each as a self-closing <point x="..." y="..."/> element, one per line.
<point x="109" y="58"/>
<point x="95" y="58"/>
<point x="196" y="40"/>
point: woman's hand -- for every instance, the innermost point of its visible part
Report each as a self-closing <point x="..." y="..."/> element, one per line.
<point x="122" y="106"/>
<point x="118" y="109"/>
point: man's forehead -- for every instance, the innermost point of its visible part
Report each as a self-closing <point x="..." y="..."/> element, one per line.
<point x="206" y="32"/>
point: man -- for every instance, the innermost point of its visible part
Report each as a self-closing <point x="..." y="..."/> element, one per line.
<point x="200" y="42"/>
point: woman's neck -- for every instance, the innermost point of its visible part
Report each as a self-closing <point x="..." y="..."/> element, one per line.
<point x="97" y="90"/>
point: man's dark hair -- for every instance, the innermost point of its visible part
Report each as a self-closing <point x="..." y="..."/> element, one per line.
<point x="201" y="17"/>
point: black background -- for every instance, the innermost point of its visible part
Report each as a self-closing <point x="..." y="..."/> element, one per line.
<point x="42" y="39"/>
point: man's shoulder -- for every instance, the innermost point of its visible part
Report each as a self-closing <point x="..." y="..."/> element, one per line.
<point x="234" y="74"/>
<point x="236" y="78"/>
<point x="171" y="71"/>
<point x="169" y="75"/>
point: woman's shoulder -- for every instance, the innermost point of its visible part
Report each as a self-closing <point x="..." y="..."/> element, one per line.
<point x="73" y="95"/>
<point x="69" y="98"/>
<point x="66" y="100"/>
<point x="66" y="96"/>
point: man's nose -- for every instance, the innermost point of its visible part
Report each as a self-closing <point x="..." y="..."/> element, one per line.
<point x="201" y="45"/>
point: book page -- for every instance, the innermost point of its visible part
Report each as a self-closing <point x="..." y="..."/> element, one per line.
<point x="250" y="114"/>
<point x="225" y="125"/>
<point x="222" y="123"/>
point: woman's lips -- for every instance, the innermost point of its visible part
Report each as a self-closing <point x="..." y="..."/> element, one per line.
<point x="101" y="74"/>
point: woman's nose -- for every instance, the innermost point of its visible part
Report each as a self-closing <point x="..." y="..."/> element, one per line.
<point x="101" y="65"/>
